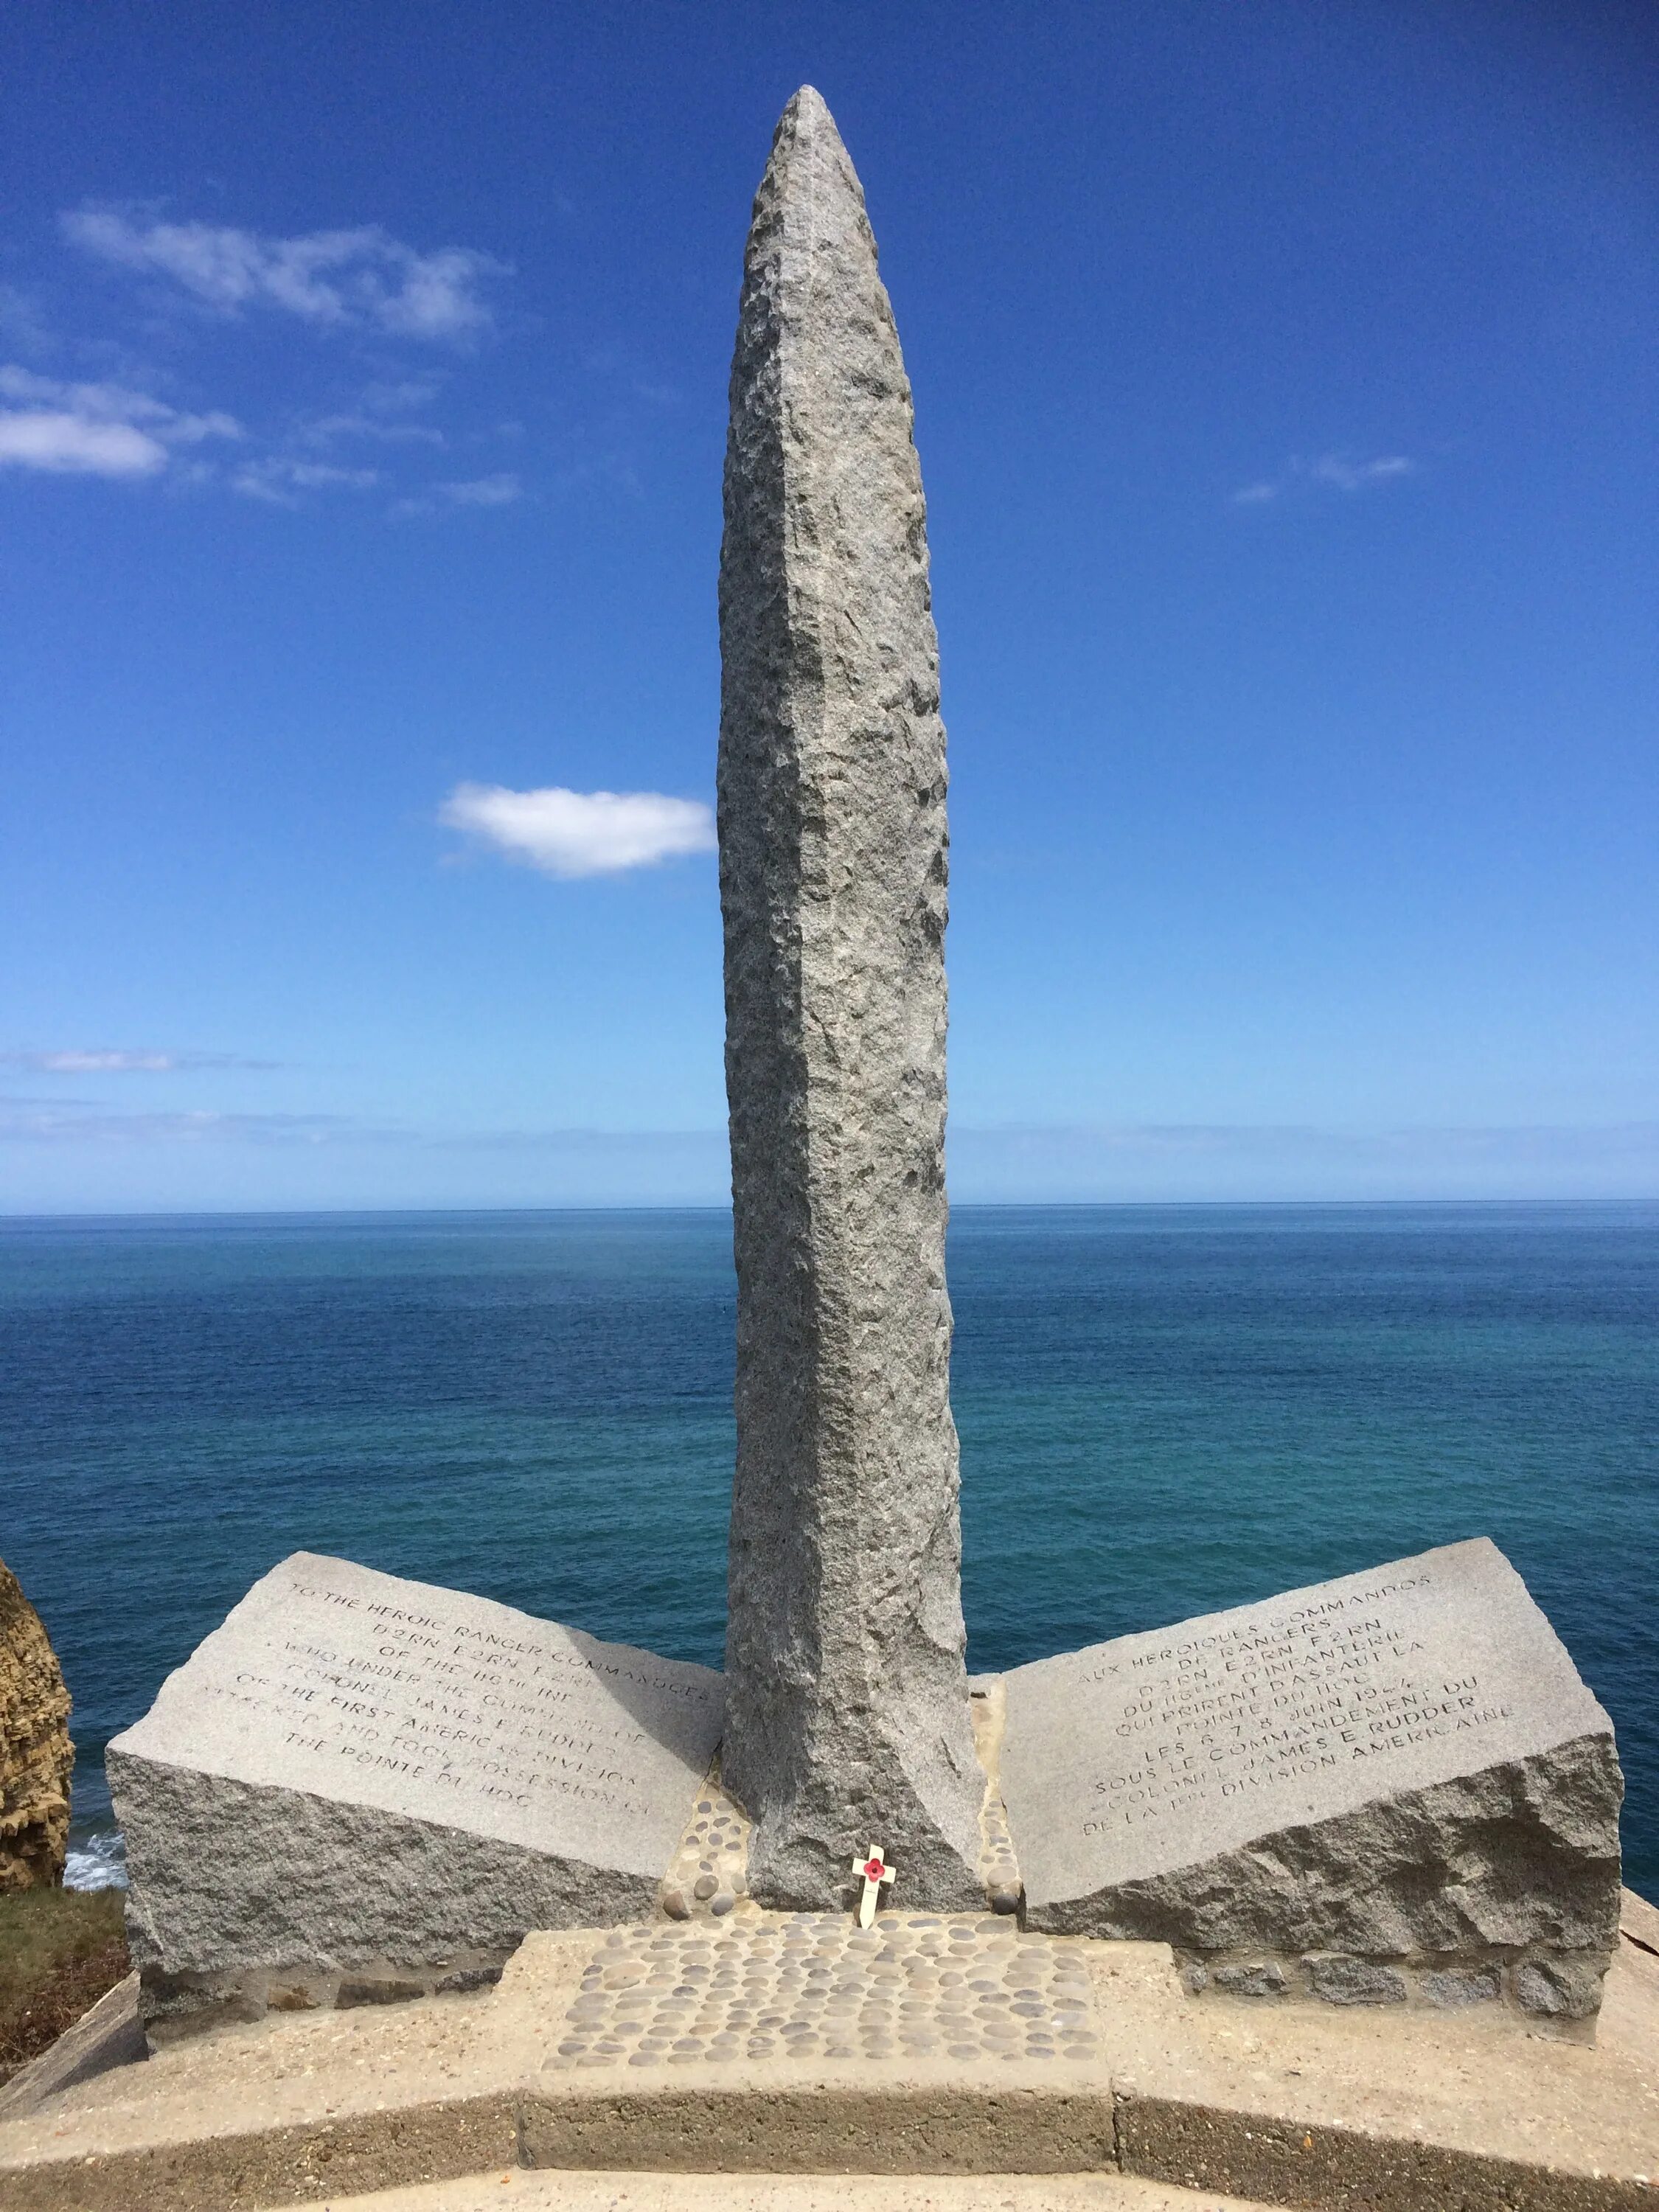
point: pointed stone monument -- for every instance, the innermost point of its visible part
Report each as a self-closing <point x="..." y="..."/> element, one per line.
<point x="847" y="1709"/>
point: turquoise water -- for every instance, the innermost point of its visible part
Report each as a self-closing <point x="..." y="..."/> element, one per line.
<point x="1163" y="1410"/>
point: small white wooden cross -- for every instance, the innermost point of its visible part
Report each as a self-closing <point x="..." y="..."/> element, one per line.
<point x="875" y="1873"/>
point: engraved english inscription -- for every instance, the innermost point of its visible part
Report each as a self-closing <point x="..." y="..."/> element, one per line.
<point x="334" y="1680"/>
<point x="470" y="1709"/>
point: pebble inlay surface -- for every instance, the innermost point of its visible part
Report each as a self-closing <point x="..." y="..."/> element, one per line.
<point x="999" y="1867"/>
<point x="814" y="1986"/>
<point x="710" y="1869"/>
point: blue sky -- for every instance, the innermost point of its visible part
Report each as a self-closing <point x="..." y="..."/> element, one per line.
<point x="1285" y="384"/>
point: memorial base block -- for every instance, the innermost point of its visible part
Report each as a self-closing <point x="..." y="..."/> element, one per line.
<point x="1392" y="1788"/>
<point x="360" y="1788"/>
<point x="1388" y="1791"/>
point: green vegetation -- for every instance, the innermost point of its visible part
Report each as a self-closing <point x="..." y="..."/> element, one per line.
<point x="60" y="1949"/>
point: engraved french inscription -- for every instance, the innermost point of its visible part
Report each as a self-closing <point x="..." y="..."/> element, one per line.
<point x="1168" y="1749"/>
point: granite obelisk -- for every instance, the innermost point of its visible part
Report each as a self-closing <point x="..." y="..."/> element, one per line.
<point x="847" y="1711"/>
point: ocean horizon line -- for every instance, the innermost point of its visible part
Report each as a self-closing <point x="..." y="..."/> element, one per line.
<point x="1637" y="1201"/>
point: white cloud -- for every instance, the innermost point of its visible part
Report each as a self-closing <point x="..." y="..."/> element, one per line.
<point x="26" y="1121"/>
<point x="94" y="430"/>
<point x="95" y="1061"/>
<point x="69" y="444"/>
<point x="281" y="479"/>
<point x="394" y="396"/>
<point x="1333" y="470"/>
<point x="380" y="414"/>
<point x="324" y="429"/>
<point x="110" y="1060"/>
<point x="500" y="490"/>
<point x="327" y="277"/>
<point x="579" y="833"/>
<point x="1357" y="476"/>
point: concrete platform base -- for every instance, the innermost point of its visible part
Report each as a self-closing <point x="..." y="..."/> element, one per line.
<point x="517" y="2191"/>
<point x="768" y="2045"/>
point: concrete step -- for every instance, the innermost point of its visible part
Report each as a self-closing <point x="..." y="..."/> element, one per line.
<point x="944" y="2054"/>
<point x="517" y="2191"/>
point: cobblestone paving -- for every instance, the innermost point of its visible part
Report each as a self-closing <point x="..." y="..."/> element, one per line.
<point x="999" y="1867"/>
<point x="811" y="1985"/>
<point x="709" y="1870"/>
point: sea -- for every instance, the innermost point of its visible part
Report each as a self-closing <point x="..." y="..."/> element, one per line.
<point x="1163" y="1411"/>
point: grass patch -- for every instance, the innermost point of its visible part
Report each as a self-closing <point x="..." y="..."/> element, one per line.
<point x="60" y="1949"/>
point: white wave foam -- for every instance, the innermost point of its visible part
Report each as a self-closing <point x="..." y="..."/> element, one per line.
<point x="97" y="1862"/>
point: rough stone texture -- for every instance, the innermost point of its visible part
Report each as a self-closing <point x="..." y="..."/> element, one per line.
<point x="1397" y="1766"/>
<point x="1563" y="1989"/>
<point x="36" y="1755"/>
<point x="1346" y="1981"/>
<point x="355" y="1771"/>
<point x="1257" y="1978"/>
<point x="1462" y="1985"/>
<point x="847" y="1704"/>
